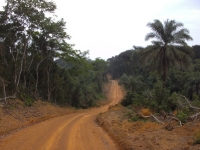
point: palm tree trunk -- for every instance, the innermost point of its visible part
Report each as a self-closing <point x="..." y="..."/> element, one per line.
<point x="165" y="66"/>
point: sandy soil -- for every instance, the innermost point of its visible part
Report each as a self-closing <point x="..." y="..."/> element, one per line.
<point x="147" y="135"/>
<point x="75" y="131"/>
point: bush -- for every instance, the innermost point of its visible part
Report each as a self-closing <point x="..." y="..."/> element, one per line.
<point x="159" y="98"/>
<point x="28" y="101"/>
<point x="182" y="116"/>
<point x="160" y="93"/>
<point x="128" y="99"/>
<point x="162" y="99"/>
<point x="197" y="139"/>
<point x="196" y="103"/>
<point x="135" y="118"/>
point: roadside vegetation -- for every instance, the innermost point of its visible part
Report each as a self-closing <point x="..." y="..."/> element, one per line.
<point x="37" y="63"/>
<point x="163" y="77"/>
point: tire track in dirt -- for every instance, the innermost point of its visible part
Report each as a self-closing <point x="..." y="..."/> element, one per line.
<point x="77" y="131"/>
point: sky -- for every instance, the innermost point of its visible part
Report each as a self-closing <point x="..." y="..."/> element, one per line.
<point x="108" y="27"/>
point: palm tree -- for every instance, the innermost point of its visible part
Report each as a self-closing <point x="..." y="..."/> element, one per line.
<point x="168" y="46"/>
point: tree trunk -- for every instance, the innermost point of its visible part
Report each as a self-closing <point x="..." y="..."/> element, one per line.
<point x="37" y="78"/>
<point x="165" y="66"/>
<point x="21" y="64"/>
<point x="197" y="89"/>
<point x="4" y="89"/>
<point x="48" y="86"/>
<point x="24" y="85"/>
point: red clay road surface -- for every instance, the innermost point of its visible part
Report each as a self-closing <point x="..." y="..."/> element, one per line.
<point x="77" y="131"/>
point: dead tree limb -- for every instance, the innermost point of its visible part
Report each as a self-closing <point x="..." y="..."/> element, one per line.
<point x="174" y="118"/>
<point x="157" y="119"/>
<point x="188" y="102"/>
<point x="194" y="117"/>
<point x="7" y="97"/>
<point x="153" y="117"/>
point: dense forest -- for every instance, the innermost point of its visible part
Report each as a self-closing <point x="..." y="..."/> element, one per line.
<point x="140" y="78"/>
<point x="161" y="76"/>
<point x="36" y="62"/>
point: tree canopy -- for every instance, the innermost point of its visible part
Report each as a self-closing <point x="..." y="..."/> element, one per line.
<point x="36" y="62"/>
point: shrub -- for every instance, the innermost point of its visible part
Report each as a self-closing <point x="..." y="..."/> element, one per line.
<point x="197" y="139"/>
<point x="182" y="116"/>
<point x="135" y="118"/>
<point x="162" y="99"/>
<point x="28" y="101"/>
<point x="128" y="99"/>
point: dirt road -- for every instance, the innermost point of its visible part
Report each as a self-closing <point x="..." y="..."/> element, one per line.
<point x="77" y="131"/>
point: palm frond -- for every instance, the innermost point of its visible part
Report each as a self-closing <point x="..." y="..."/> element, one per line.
<point x="158" y="30"/>
<point x="180" y="55"/>
<point x="157" y="43"/>
<point x="147" y="55"/>
<point x="180" y="36"/>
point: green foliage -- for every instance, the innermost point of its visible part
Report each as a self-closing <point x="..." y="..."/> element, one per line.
<point x="84" y="85"/>
<point x="183" y="115"/>
<point x="160" y="93"/>
<point x="28" y="101"/>
<point x="159" y="98"/>
<point x="36" y="62"/>
<point x="154" y="74"/>
<point x="136" y="99"/>
<point x="135" y="118"/>
<point x="196" y="49"/>
<point x="196" y="103"/>
<point x="128" y="99"/>
<point x="132" y="83"/>
<point x="126" y="62"/>
<point x="197" y="138"/>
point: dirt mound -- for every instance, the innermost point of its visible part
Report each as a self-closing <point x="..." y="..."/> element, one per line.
<point x="141" y="135"/>
<point x="16" y="115"/>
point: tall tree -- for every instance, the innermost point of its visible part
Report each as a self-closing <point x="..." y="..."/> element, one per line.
<point x="19" y="20"/>
<point x="168" y="46"/>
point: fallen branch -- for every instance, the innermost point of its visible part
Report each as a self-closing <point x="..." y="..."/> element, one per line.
<point x="156" y="119"/>
<point x="188" y="102"/>
<point x="151" y="116"/>
<point x="174" y="118"/>
<point x="182" y="104"/>
<point x="7" y="97"/>
<point x="195" y="116"/>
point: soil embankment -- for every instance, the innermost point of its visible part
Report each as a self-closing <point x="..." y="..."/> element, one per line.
<point x="15" y="115"/>
<point x="142" y="135"/>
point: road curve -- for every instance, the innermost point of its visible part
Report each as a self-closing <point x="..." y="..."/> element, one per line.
<point x="77" y="131"/>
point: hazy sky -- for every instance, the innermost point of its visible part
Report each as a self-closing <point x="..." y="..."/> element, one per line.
<point x="109" y="27"/>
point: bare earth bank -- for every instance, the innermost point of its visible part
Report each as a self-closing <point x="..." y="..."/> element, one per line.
<point x="146" y="135"/>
